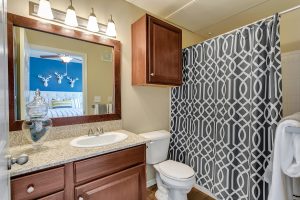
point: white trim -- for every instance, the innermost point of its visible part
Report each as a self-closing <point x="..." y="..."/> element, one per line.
<point x="204" y="190"/>
<point x="179" y="9"/>
<point x="151" y="182"/>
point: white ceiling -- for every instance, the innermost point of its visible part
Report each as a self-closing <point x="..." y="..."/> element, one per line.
<point x="196" y="15"/>
<point x="212" y="16"/>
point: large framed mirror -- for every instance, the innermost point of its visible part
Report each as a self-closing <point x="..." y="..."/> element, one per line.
<point x="77" y="73"/>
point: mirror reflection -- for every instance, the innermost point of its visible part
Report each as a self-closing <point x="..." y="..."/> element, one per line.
<point x="75" y="77"/>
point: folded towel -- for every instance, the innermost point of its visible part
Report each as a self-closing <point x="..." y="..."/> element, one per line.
<point x="286" y="161"/>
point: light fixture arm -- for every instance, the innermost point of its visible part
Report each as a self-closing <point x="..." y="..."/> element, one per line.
<point x="111" y="19"/>
<point x="93" y="13"/>
<point x="71" y="6"/>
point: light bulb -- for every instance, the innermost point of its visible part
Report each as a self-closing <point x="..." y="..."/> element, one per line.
<point x="111" y="28"/>
<point x="71" y="18"/>
<point x="44" y="10"/>
<point x="66" y="58"/>
<point x="92" y="23"/>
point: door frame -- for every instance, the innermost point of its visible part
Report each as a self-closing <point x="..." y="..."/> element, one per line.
<point x="4" y="136"/>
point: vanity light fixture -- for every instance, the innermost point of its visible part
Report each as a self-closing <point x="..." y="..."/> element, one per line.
<point x="92" y="23"/>
<point x="44" y="10"/>
<point x="111" y="28"/>
<point x="71" y="17"/>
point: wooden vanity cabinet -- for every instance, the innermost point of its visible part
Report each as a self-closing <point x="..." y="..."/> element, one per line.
<point x="38" y="184"/>
<point x="120" y="175"/>
<point x="56" y="196"/>
<point x="125" y="185"/>
<point x="156" y="52"/>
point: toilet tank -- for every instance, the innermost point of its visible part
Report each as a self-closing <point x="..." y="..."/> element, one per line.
<point x="157" y="149"/>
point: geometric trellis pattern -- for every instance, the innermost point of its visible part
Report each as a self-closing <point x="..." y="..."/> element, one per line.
<point x="224" y="116"/>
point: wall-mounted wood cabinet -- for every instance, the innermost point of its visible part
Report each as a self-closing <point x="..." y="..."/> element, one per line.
<point x="115" y="176"/>
<point x="156" y="52"/>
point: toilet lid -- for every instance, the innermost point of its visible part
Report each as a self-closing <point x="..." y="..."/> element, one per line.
<point x="176" y="170"/>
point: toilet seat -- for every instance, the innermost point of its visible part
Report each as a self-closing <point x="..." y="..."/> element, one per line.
<point x="176" y="170"/>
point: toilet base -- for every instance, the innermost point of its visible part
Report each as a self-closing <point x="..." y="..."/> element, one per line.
<point x="177" y="195"/>
<point x="165" y="192"/>
<point x="161" y="192"/>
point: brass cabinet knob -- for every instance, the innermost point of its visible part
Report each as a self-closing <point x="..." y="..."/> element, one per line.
<point x="152" y="74"/>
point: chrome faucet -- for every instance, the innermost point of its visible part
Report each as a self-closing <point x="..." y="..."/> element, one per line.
<point x="91" y="132"/>
<point x="99" y="131"/>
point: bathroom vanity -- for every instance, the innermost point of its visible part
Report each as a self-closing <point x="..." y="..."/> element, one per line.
<point x="60" y="171"/>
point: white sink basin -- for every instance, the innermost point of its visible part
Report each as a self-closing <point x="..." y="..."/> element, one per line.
<point x="97" y="141"/>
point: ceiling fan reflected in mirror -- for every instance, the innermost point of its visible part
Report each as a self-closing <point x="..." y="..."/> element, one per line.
<point x="65" y="58"/>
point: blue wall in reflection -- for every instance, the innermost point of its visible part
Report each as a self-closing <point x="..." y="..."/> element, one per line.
<point x="45" y="67"/>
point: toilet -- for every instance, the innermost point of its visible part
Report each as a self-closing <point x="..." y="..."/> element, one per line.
<point x="174" y="180"/>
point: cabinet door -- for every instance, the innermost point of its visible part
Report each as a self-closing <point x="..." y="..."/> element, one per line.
<point x="165" y="48"/>
<point x="56" y="196"/>
<point x="129" y="184"/>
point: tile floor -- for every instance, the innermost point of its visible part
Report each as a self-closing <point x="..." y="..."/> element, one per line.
<point x="193" y="195"/>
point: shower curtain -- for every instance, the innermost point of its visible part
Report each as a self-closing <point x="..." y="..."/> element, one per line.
<point x="224" y="116"/>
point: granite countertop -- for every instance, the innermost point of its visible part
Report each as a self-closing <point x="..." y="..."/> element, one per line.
<point x="58" y="152"/>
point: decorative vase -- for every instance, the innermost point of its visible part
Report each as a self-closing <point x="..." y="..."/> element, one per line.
<point x="37" y="125"/>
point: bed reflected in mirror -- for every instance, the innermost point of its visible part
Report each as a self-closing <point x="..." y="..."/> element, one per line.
<point x="75" y="77"/>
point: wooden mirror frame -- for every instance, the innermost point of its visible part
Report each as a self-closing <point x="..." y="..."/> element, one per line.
<point x="29" y="23"/>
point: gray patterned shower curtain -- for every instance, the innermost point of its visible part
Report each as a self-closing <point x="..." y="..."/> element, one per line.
<point x="224" y="116"/>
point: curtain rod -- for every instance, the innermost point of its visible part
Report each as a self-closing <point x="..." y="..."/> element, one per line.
<point x="280" y="13"/>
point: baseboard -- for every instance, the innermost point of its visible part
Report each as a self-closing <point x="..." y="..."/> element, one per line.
<point x="151" y="182"/>
<point x="205" y="191"/>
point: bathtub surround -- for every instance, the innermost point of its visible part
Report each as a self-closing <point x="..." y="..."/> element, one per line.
<point x="224" y="116"/>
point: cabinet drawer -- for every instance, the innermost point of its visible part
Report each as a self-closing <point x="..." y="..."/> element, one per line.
<point x="107" y="164"/>
<point x="56" y="196"/>
<point x="38" y="184"/>
<point x="129" y="184"/>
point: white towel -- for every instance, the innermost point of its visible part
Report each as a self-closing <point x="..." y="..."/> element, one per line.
<point x="285" y="167"/>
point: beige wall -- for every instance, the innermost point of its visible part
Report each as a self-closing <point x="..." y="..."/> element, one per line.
<point x="290" y="47"/>
<point x="99" y="72"/>
<point x="290" y="31"/>
<point x="143" y="108"/>
<point x="291" y="82"/>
